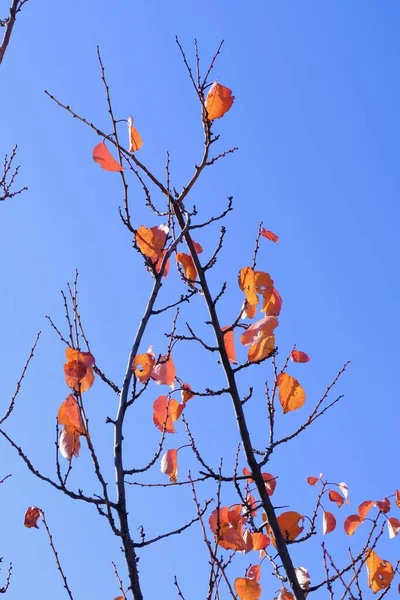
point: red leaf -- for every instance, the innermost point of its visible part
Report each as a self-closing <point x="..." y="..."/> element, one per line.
<point x="364" y="508"/>
<point x="299" y="356"/>
<point x="351" y="523"/>
<point x="32" y="516"/>
<point x="270" y="235"/>
<point x="328" y="522"/>
<point x="383" y="505"/>
<point x="336" y="497"/>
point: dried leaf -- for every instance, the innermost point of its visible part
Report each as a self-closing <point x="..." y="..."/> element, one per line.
<point x="143" y="366"/>
<point x="299" y="356"/>
<point x="186" y="392"/>
<point x="104" y="158"/>
<point x="393" y="526"/>
<point x="218" y="101"/>
<point x="380" y="572"/>
<point x="169" y="465"/>
<point x="247" y="589"/>
<point x="263" y="283"/>
<point x="151" y="241"/>
<point x="32" y="516"/>
<point x="161" y="408"/>
<point x="328" y="522"/>
<point x="135" y="141"/>
<point x="303" y="577"/>
<point x="164" y="371"/>
<point x="70" y="416"/>
<point x="77" y="355"/>
<point x="291" y="394"/>
<point x="247" y="284"/>
<point x="159" y="264"/>
<point x="188" y="266"/>
<point x="260" y="541"/>
<point x="229" y="342"/>
<point x="251" y="502"/>
<point x="345" y="491"/>
<point x="198" y="247"/>
<point x="226" y="524"/>
<point x="284" y="594"/>
<point x="78" y="370"/>
<point x="351" y="523"/>
<point x="336" y="497"/>
<point x="69" y="443"/>
<point x="270" y="235"/>
<point x="397" y="497"/>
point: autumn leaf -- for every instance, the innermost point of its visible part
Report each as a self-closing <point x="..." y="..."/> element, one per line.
<point x="269" y="480"/>
<point x="169" y="465"/>
<point x="289" y="525"/>
<point x="291" y="394"/>
<point x="69" y="443"/>
<point x="186" y="393"/>
<point x="151" y="241"/>
<point x="142" y="366"/>
<point x="198" y="247"/>
<point x="32" y="516"/>
<point x="383" y="505"/>
<point x="188" y="265"/>
<point x="303" y="577"/>
<point x="229" y="342"/>
<point x="336" y="497"/>
<point x="226" y="524"/>
<point x="252" y="504"/>
<point x="260" y="330"/>
<point x="135" y="141"/>
<point x="299" y="356"/>
<point x="345" y="491"/>
<point x="397" y="497"/>
<point x="218" y="101"/>
<point x="78" y="370"/>
<point x="263" y="283"/>
<point x="272" y="304"/>
<point x="159" y="262"/>
<point x="269" y="235"/>
<point x="247" y="589"/>
<point x="393" y="526"/>
<point x="164" y="371"/>
<point x="260" y="541"/>
<point x="247" y="284"/>
<point x="364" y="508"/>
<point x="284" y="594"/>
<point x="161" y="408"/>
<point x="314" y="480"/>
<point x="351" y="523"/>
<point x="328" y="522"/>
<point x="254" y="572"/>
<point x="380" y="572"/>
<point x="70" y="416"/>
<point x="103" y="157"/>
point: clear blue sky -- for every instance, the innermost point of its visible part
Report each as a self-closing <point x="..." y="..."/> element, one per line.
<point x="317" y="122"/>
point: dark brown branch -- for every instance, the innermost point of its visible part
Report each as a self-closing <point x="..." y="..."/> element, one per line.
<point x="8" y="178"/>
<point x="9" y="23"/>
<point x="56" y="557"/>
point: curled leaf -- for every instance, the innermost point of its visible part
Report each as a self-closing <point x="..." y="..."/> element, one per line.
<point x="169" y="465"/>
<point x="218" y="101"/>
<point x="383" y="505"/>
<point x="272" y="304"/>
<point x="135" y="141"/>
<point x="269" y="235"/>
<point x="32" y="516"/>
<point x="103" y="157"/>
<point x="70" y="416"/>
<point x="364" y="508"/>
<point x="261" y="329"/>
<point x="151" y="241"/>
<point x="351" y="523"/>
<point x="303" y="577"/>
<point x="284" y="594"/>
<point x="314" y="480"/>
<point x="164" y="371"/>
<point x="186" y="392"/>
<point x="291" y="394"/>
<point x="328" y="522"/>
<point x="299" y="356"/>
<point x="393" y="526"/>
<point x="69" y="443"/>
<point x="254" y="572"/>
<point x="269" y="480"/>
<point x="336" y="497"/>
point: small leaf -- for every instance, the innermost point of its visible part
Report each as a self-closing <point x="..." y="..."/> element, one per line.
<point x="289" y="526"/>
<point x="229" y="342"/>
<point x="260" y="541"/>
<point x="284" y="594"/>
<point x="291" y="394"/>
<point x="336" y="497"/>
<point x="314" y="480"/>
<point x="269" y="235"/>
<point x="186" y="393"/>
<point x="218" y="101"/>
<point x="164" y="371"/>
<point x="351" y="523"/>
<point x="247" y="589"/>
<point x="169" y="465"/>
<point x="78" y="370"/>
<point x="269" y="480"/>
<point x="32" y="516"/>
<point x="143" y="366"/>
<point x="257" y="331"/>
<point x="198" y="247"/>
<point x="345" y="491"/>
<point x="303" y="577"/>
<point x="364" y="508"/>
<point x="103" y="157"/>
<point x="135" y="141"/>
<point x="328" y="522"/>
<point x="151" y="241"/>
<point x="393" y="526"/>
<point x="299" y="357"/>
<point x="383" y="505"/>
<point x="254" y="572"/>
<point x="380" y="572"/>
<point x="397" y="497"/>
<point x="188" y="266"/>
<point x="69" y="443"/>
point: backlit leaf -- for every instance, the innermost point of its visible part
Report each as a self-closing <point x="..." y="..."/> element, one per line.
<point x="32" y="516"/>
<point x="229" y="342"/>
<point x="393" y="526"/>
<point x="261" y="349"/>
<point x="247" y="589"/>
<point x="161" y="408"/>
<point x="345" y="491"/>
<point x="272" y="304"/>
<point x="70" y="416"/>
<point x="78" y="370"/>
<point x="336" y="497"/>
<point x="164" y="371"/>
<point x="314" y="480"/>
<point x="383" y="505"/>
<point x="260" y="541"/>
<point x="284" y="594"/>
<point x="69" y="443"/>
<point x="254" y="572"/>
<point x="299" y="356"/>
<point x="135" y="141"/>
<point x="247" y="284"/>
<point x="218" y="101"/>
<point x="269" y="235"/>
<point x="397" y="498"/>
<point x="291" y="394"/>
<point x="364" y="508"/>
<point x="290" y="524"/>
<point x="351" y="523"/>
<point x="143" y="366"/>
<point x="103" y="157"/>
<point x="169" y="465"/>
<point x="186" y="392"/>
<point x="261" y="329"/>
<point x="188" y="265"/>
<point x="380" y="572"/>
<point x="328" y="522"/>
<point x="269" y="480"/>
<point x="151" y="241"/>
<point x="303" y="577"/>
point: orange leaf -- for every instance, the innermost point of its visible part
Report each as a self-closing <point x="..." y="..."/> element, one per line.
<point x="284" y="594"/>
<point x="289" y="525"/>
<point x="218" y="101"/>
<point x="291" y="394"/>
<point x="135" y="141"/>
<point x="393" y="526"/>
<point x="70" y="416"/>
<point x="336" y="497"/>
<point x="198" y="247"/>
<point x="328" y="522"/>
<point x="161" y="407"/>
<point x="262" y="349"/>
<point x="263" y="283"/>
<point x="229" y="342"/>
<point x="219" y="517"/>
<point x="272" y="304"/>
<point x="186" y="392"/>
<point x="260" y="541"/>
<point x="254" y="572"/>
<point x="383" y="505"/>
<point x="151" y="241"/>
<point x="380" y="572"/>
<point x="69" y="443"/>
<point x="143" y="366"/>
<point x="77" y="355"/>
<point x="226" y="524"/>
<point x="299" y="356"/>
<point x="351" y="523"/>
<point x="364" y="508"/>
<point x="397" y="496"/>
<point x="247" y="589"/>
<point x="188" y="265"/>
<point x="104" y="158"/>
<point x="269" y="480"/>
<point x="78" y="370"/>
<point x="32" y="516"/>
<point x="250" y="500"/>
<point x="314" y="480"/>
<point x="169" y="465"/>
<point x="159" y="263"/>
<point x="164" y="372"/>
<point x="270" y="235"/>
<point x="258" y="331"/>
<point x="247" y="284"/>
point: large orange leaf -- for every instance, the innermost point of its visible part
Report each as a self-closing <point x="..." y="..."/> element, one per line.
<point x="229" y="342"/>
<point x="247" y="589"/>
<point x="299" y="356"/>
<point x="380" y="572"/>
<point x="143" y="366"/>
<point x="70" y="416"/>
<point x="77" y="355"/>
<point x="269" y="235"/>
<point x="218" y="101"/>
<point x="289" y="524"/>
<point x="260" y="541"/>
<point x="328" y="522"/>
<point x="161" y="408"/>
<point x="32" y="516"/>
<point x="291" y="394"/>
<point x="69" y="443"/>
<point x="264" y="348"/>
<point x="164" y="371"/>
<point x="169" y="465"/>
<point x="272" y="304"/>
<point x="226" y="524"/>
<point x="104" y="158"/>
<point x="135" y="141"/>
<point x="351" y="523"/>
<point x="188" y="265"/>
<point x="263" y="283"/>
<point x="151" y="241"/>
<point x="78" y="369"/>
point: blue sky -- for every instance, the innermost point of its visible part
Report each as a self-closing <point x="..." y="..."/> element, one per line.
<point x="316" y="120"/>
